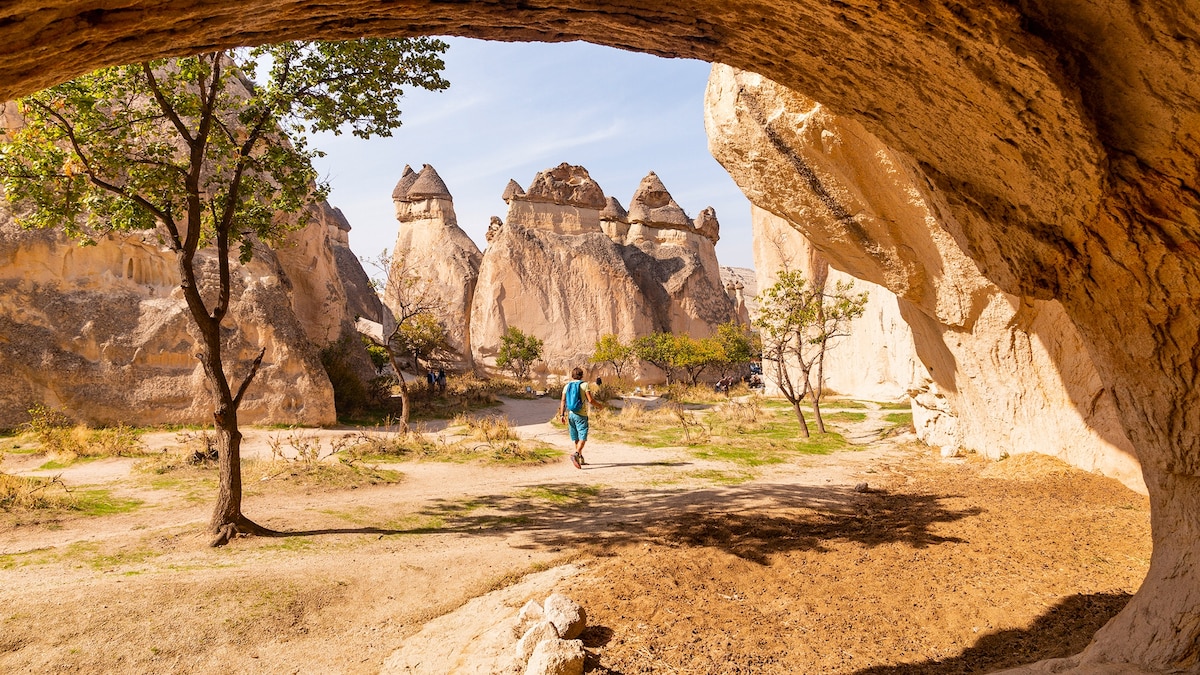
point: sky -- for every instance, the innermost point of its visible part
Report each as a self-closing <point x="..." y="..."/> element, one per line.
<point x="514" y="109"/>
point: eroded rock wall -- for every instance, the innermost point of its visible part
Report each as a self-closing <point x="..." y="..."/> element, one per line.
<point x="569" y="265"/>
<point x="103" y="333"/>
<point x="431" y="247"/>
<point x="1003" y="374"/>
<point x="876" y="360"/>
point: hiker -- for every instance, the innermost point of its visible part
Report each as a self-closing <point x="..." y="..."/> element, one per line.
<point x="441" y="380"/>
<point x="573" y="409"/>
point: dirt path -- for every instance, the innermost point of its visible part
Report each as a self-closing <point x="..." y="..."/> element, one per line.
<point x="683" y="570"/>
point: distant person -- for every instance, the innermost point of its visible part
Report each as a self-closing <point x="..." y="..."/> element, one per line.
<point x="573" y="409"/>
<point x="429" y="378"/>
<point x="441" y="380"/>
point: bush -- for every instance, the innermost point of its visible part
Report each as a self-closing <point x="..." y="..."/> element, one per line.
<point x="350" y="394"/>
<point x="58" y="435"/>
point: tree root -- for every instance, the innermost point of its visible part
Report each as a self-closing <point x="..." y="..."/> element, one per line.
<point x="240" y="527"/>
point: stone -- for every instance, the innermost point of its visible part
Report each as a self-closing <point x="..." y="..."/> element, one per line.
<point x="653" y="206"/>
<point x="431" y="246"/>
<point x="513" y="189"/>
<point x="977" y="345"/>
<point x="1059" y="134"/>
<point x="566" y="615"/>
<point x="536" y="634"/>
<point x="566" y="184"/>
<point x="557" y="657"/>
<point x="531" y="613"/>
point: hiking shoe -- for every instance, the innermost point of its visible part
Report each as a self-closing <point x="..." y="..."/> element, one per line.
<point x="581" y="462"/>
<point x="575" y="460"/>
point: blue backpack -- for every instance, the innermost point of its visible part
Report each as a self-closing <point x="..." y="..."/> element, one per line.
<point x="574" y="398"/>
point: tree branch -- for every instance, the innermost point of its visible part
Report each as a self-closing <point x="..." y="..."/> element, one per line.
<point x="164" y="104"/>
<point x="237" y="400"/>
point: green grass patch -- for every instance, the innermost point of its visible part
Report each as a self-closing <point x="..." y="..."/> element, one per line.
<point x="64" y="462"/>
<point x="845" y="417"/>
<point x="720" y="477"/>
<point x="845" y="404"/>
<point x="899" y="419"/>
<point x="102" y="503"/>
<point x="895" y="405"/>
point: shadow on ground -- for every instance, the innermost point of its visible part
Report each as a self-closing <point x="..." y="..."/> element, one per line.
<point x="751" y="523"/>
<point x="1064" y="630"/>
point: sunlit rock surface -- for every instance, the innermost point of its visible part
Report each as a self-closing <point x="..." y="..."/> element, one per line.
<point x="431" y="245"/>
<point x="569" y="265"/>
<point x="102" y="332"/>
<point x="1001" y="374"/>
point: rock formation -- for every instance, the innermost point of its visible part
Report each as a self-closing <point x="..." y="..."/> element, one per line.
<point x="431" y="246"/>
<point x="102" y="332"/>
<point x="361" y="298"/>
<point x="1060" y="136"/>
<point x="569" y="265"/>
<point x="741" y="286"/>
<point x="981" y="347"/>
<point x="551" y="271"/>
<point x="876" y="360"/>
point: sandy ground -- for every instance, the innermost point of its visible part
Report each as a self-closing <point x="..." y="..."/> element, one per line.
<point x="941" y="566"/>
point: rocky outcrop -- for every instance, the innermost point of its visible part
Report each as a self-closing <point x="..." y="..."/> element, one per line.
<point x="1059" y="134"/>
<point x="103" y="333"/>
<point x="361" y="299"/>
<point x="741" y="286"/>
<point x="433" y="249"/>
<point x="876" y="360"/>
<point x="568" y="265"/>
<point x="1005" y="374"/>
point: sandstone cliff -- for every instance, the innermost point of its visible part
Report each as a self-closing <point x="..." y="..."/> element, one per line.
<point x="876" y="360"/>
<point x="1006" y="374"/>
<point x="569" y="265"/>
<point x="431" y="246"/>
<point x="103" y="333"/>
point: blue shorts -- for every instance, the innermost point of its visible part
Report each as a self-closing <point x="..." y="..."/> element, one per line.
<point x="577" y="426"/>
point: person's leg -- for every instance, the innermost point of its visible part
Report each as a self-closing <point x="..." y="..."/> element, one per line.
<point x="582" y="426"/>
<point x="573" y="432"/>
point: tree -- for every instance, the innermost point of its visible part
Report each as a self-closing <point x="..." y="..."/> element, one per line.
<point x="609" y="349"/>
<point x="738" y="344"/>
<point x="796" y="322"/>
<point x="695" y="356"/>
<point x="518" y="351"/>
<point x="657" y="349"/>
<point x="192" y="148"/>
<point x="413" y="329"/>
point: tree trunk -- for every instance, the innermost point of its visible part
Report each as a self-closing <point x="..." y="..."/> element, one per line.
<point x="800" y="417"/>
<point x="817" y="391"/>
<point x="405" y="408"/>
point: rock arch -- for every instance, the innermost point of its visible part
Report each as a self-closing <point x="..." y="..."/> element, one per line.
<point x="1065" y="136"/>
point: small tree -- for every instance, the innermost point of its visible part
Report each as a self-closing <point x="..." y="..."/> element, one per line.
<point x="610" y="350"/>
<point x="695" y="356"/>
<point x="658" y="349"/>
<point x="834" y="313"/>
<point x="191" y="148"/>
<point x="796" y="322"/>
<point x="413" y="329"/>
<point x="518" y="352"/>
<point x="738" y="346"/>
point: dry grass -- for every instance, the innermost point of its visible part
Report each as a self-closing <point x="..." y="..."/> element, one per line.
<point x="58" y="435"/>
<point x="22" y="493"/>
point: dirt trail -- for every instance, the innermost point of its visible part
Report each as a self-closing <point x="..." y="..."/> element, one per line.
<point x="790" y="571"/>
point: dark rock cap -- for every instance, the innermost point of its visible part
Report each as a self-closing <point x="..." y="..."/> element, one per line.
<point x="707" y="224"/>
<point x="513" y="189"/>
<point x="613" y="211"/>
<point x="568" y="185"/>
<point x="652" y="205"/>
<point x="400" y="192"/>
<point x="428" y="185"/>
